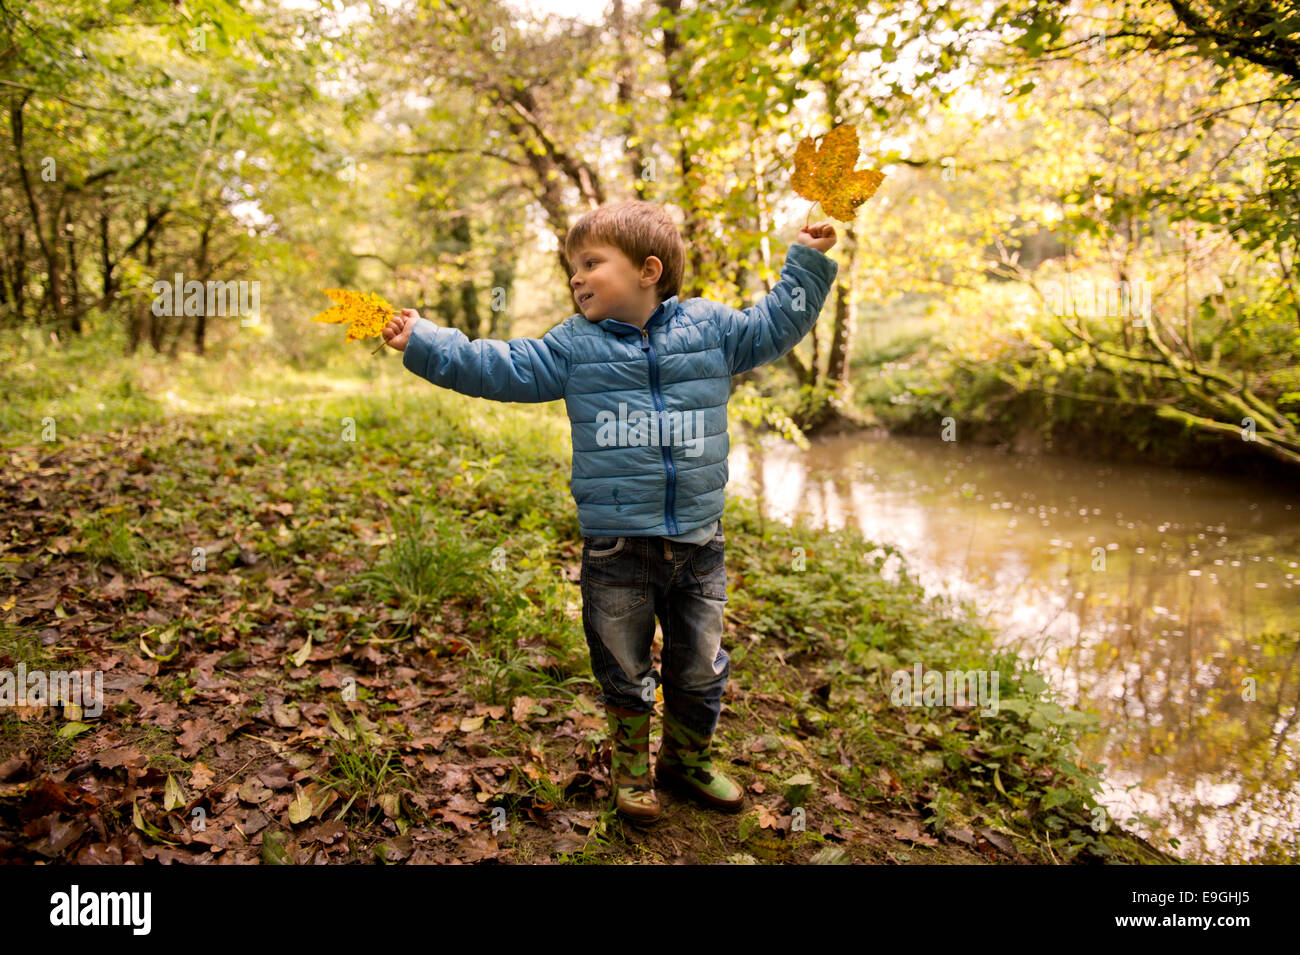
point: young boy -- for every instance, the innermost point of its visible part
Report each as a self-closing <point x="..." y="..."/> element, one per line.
<point x="646" y="379"/>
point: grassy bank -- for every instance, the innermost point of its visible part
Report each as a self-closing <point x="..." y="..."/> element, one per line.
<point x="338" y="618"/>
<point x="1006" y="372"/>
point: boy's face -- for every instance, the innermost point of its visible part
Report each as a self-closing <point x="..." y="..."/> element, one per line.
<point x="606" y="284"/>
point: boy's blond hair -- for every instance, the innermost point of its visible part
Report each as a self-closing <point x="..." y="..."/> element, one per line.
<point x="638" y="229"/>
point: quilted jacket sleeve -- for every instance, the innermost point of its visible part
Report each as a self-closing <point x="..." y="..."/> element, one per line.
<point x="768" y="330"/>
<point x="521" y="369"/>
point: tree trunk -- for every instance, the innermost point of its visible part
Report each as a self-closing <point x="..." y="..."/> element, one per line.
<point x="74" y="284"/>
<point x="471" y="321"/>
<point x="49" y="245"/>
<point x="679" y="105"/>
<point x="141" y="315"/>
<point x="626" y="97"/>
<point x="503" y="277"/>
<point x="105" y="258"/>
<point x="845" y="330"/>
<point x="201" y="320"/>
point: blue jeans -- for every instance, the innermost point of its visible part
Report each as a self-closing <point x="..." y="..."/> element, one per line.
<point x="629" y="581"/>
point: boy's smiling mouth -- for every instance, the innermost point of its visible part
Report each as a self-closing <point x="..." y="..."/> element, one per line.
<point x="582" y="299"/>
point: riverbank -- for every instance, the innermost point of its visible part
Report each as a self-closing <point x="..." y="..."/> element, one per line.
<point x="294" y="655"/>
<point x="1016" y="380"/>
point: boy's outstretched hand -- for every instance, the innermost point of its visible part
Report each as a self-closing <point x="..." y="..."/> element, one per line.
<point x="398" y="330"/>
<point x="820" y="236"/>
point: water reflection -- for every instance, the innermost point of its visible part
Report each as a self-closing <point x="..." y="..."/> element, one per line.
<point x="1166" y="601"/>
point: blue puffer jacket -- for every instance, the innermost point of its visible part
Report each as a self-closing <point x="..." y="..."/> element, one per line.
<point x="647" y="409"/>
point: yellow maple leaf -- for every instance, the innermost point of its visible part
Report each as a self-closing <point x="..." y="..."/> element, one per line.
<point x="366" y="314"/>
<point x="825" y="174"/>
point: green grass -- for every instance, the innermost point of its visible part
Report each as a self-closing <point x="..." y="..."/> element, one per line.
<point x="428" y="562"/>
<point x="111" y="538"/>
<point x="363" y="768"/>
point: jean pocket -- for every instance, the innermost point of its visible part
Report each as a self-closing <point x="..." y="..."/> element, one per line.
<point x="600" y="548"/>
<point x="709" y="564"/>
<point x="618" y="584"/>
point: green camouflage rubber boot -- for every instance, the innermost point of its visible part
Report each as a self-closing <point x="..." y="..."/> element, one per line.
<point x="685" y="761"/>
<point x="634" y="793"/>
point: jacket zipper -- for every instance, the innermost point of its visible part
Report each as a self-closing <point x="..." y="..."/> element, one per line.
<point x="648" y="348"/>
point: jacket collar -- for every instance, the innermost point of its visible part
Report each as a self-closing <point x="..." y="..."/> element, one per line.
<point x="663" y="313"/>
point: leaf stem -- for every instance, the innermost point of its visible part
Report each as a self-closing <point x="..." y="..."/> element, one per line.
<point x="382" y="343"/>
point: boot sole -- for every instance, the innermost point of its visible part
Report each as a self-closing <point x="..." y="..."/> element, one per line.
<point x="638" y="820"/>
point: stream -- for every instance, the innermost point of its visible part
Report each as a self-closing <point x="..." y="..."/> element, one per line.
<point x="1166" y="601"/>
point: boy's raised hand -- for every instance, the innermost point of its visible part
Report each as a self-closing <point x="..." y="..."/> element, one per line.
<point x="820" y="236"/>
<point x="398" y="330"/>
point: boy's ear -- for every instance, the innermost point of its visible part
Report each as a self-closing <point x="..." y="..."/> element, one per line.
<point x="653" y="269"/>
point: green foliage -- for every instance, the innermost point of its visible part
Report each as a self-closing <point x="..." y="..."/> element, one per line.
<point x="110" y="537"/>
<point x="824" y="597"/>
<point x="526" y="597"/>
<point x="428" y="562"/>
<point x="363" y="767"/>
<point x="1007" y="376"/>
<point x="749" y="407"/>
